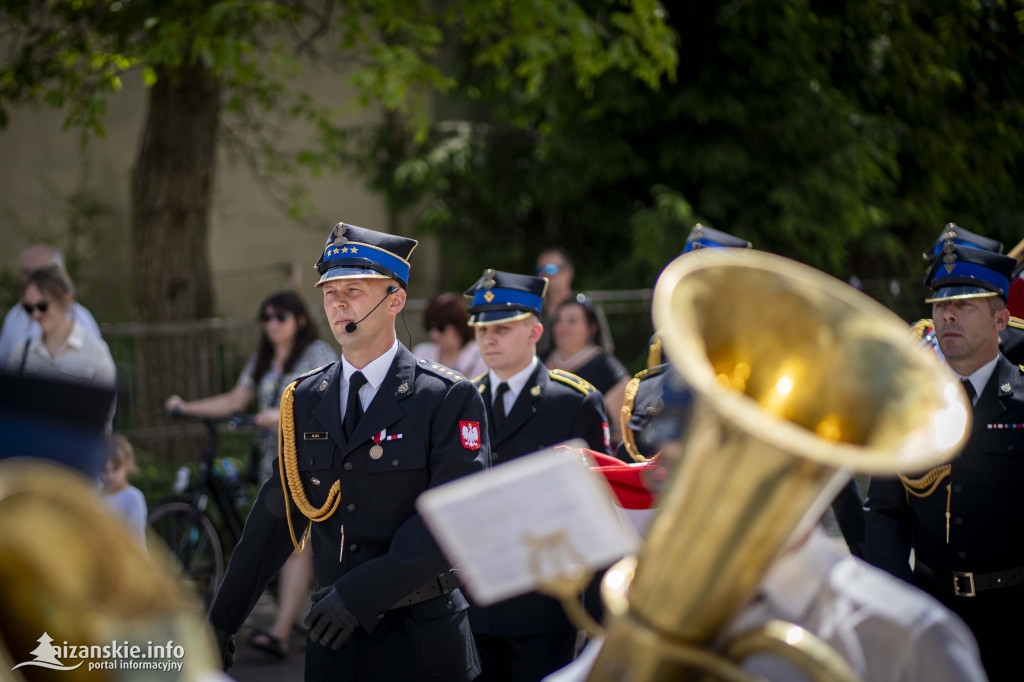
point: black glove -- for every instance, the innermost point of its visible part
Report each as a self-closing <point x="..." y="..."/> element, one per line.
<point x="329" y="622"/>
<point x="226" y="645"/>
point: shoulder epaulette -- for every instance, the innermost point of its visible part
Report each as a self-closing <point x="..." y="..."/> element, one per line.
<point x="314" y="371"/>
<point x="441" y="370"/>
<point x="1015" y="322"/>
<point x="570" y="379"/>
<point x="654" y="354"/>
<point x="1021" y="368"/>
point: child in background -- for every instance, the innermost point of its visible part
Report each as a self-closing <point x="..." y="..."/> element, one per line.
<point x="126" y="500"/>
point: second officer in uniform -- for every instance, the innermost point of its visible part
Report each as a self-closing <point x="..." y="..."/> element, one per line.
<point x="531" y="408"/>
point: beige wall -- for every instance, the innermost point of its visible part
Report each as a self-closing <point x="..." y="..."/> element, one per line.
<point x="42" y="165"/>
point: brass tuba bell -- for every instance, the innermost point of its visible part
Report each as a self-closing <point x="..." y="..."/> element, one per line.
<point x="799" y="380"/>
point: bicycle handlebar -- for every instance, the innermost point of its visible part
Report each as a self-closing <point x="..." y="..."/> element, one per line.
<point x="234" y="421"/>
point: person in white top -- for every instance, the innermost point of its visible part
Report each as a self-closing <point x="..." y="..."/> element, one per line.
<point x="125" y="500"/>
<point x="64" y="349"/>
<point x="18" y="325"/>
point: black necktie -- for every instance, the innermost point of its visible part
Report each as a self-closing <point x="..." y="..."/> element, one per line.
<point x="969" y="387"/>
<point x="499" y="405"/>
<point x="353" y="408"/>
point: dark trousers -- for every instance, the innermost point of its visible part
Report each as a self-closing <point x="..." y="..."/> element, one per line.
<point x="523" y="659"/>
<point x="994" y="618"/>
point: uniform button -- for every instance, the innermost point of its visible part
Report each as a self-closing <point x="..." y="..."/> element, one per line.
<point x="348" y="466"/>
<point x="311" y="462"/>
<point x="394" y="462"/>
<point x="961" y="554"/>
<point x="351" y="508"/>
<point x="354" y="547"/>
<point x="957" y="521"/>
<point x="450" y="605"/>
<point x="380" y="616"/>
<point x="957" y="488"/>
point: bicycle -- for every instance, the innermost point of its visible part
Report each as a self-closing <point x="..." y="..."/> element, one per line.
<point x="183" y="520"/>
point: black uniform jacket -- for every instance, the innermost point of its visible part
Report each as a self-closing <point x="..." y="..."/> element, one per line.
<point x="374" y="548"/>
<point x="546" y="412"/>
<point x="986" y="510"/>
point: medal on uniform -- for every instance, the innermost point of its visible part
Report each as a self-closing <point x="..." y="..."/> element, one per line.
<point x="376" y="452"/>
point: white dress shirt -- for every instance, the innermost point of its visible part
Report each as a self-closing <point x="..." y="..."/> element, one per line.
<point x="885" y="629"/>
<point x="375" y="372"/>
<point x="516" y="384"/>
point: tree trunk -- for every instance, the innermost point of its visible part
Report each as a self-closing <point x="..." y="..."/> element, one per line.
<point x="171" y="197"/>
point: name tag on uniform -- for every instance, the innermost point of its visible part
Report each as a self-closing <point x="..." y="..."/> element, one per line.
<point x="314" y="435"/>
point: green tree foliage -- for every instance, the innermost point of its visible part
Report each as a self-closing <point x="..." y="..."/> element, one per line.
<point x="224" y="73"/>
<point x="841" y="134"/>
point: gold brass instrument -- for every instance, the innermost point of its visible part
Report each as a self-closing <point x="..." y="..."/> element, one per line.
<point x="798" y="381"/>
<point x="69" y="571"/>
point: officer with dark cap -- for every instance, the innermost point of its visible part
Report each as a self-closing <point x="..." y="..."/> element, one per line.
<point x="1011" y="339"/>
<point x="360" y="439"/>
<point x="964" y="520"/>
<point x="530" y="408"/>
<point x="643" y="433"/>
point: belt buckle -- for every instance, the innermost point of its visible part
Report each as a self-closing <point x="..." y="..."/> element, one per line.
<point x="969" y="577"/>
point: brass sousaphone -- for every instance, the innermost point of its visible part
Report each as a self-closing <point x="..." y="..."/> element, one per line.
<point x="799" y="380"/>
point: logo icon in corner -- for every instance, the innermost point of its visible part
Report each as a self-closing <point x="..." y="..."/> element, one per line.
<point x="46" y="656"/>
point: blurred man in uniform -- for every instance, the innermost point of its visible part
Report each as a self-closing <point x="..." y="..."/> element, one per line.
<point x="963" y="520"/>
<point x="360" y="440"/>
<point x="531" y="408"/>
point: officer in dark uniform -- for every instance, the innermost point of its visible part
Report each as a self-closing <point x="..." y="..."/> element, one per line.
<point x="1011" y="339"/>
<point x="965" y="520"/>
<point x="360" y="439"/>
<point x="530" y="408"/>
<point x="643" y="432"/>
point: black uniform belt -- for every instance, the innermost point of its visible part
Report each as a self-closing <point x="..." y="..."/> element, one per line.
<point x="968" y="583"/>
<point x="442" y="584"/>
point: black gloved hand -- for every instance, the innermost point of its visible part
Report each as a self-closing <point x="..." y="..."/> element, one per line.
<point x="226" y="646"/>
<point x="329" y="622"/>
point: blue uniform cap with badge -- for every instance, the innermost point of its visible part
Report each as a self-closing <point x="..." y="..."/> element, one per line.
<point x="961" y="237"/>
<point x="965" y="272"/>
<point x="358" y="253"/>
<point x="505" y="297"/>
<point x="702" y="237"/>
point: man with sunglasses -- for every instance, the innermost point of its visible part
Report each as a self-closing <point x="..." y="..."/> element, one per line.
<point x="555" y="264"/>
<point x="19" y="326"/>
<point x="360" y="440"/>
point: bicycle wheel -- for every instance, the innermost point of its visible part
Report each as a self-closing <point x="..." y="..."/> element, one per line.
<point x="192" y="539"/>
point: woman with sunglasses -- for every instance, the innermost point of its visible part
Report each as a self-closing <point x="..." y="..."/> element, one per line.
<point x="289" y="346"/>
<point x="578" y="349"/>
<point x="451" y="338"/>
<point x="64" y="349"/>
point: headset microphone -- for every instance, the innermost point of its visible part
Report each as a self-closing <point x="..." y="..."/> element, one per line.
<point x="351" y="326"/>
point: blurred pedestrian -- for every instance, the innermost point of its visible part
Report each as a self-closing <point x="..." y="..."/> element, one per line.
<point x="963" y="520"/>
<point x="127" y="501"/>
<point x="18" y="324"/>
<point x="64" y="348"/>
<point x="451" y="338"/>
<point x="555" y="264"/>
<point x="289" y="347"/>
<point x="530" y="408"/>
<point x="579" y="349"/>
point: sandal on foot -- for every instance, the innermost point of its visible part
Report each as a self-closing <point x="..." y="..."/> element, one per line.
<point x="266" y="642"/>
